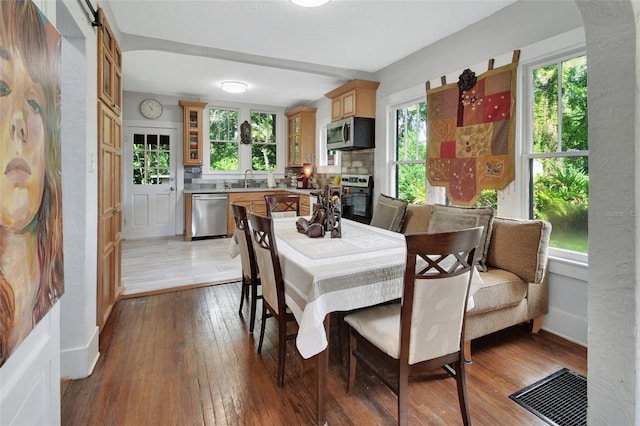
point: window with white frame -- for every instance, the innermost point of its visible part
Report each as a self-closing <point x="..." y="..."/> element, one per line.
<point x="223" y="139"/>
<point x="557" y="149"/>
<point x="409" y="164"/>
<point x="263" y="141"/>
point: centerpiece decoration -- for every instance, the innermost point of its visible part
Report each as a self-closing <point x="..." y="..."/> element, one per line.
<point x="326" y="216"/>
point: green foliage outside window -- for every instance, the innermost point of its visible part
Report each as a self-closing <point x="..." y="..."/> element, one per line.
<point x="263" y="148"/>
<point x="561" y="183"/>
<point x="223" y="139"/>
<point x="151" y="159"/>
<point x="411" y="152"/>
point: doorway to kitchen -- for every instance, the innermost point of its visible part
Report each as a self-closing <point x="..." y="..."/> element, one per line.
<point x="149" y="182"/>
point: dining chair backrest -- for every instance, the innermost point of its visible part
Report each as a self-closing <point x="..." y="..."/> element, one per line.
<point x="436" y="287"/>
<point x="282" y="205"/>
<point x="244" y="239"/>
<point x="264" y="244"/>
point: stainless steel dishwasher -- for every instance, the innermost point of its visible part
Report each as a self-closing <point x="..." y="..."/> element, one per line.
<point x="209" y="215"/>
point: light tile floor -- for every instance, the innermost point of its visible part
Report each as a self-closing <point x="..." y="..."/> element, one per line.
<point x="154" y="264"/>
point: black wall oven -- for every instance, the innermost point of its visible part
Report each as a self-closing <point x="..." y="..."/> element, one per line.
<point x="357" y="197"/>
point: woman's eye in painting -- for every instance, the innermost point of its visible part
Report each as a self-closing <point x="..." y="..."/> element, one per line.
<point x="5" y="90"/>
<point x="35" y="106"/>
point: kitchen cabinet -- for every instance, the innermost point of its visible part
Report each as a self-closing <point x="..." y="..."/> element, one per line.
<point x="252" y="201"/>
<point x="301" y="135"/>
<point x="193" y="130"/>
<point x="188" y="202"/>
<point x="356" y="98"/>
<point x="305" y="205"/>
<point x="109" y="67"/>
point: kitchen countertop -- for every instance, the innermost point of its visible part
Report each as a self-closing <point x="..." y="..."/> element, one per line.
<point x="229" y="190"/>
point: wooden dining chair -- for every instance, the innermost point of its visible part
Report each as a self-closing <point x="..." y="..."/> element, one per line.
<point x="425" y="330"/>
<point x="273" y="303"/>
<point x="250" y="276"/>
<point x="282" y="205"/>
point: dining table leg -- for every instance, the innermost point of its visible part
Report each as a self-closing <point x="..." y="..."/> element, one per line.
<point x="322" y="373"/>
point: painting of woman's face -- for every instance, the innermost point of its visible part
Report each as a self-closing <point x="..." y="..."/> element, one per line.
<point x="22" y="151"/>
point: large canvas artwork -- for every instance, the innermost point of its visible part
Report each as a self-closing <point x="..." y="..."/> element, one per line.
<point x="31" y="267"/>
<point x="471" y="130"/>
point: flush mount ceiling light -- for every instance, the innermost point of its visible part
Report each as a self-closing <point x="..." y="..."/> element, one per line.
<point x="234" y="86"/>
<point x="309" y="3"/>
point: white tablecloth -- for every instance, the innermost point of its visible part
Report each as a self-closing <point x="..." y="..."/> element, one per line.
<point x="323" y="275"/>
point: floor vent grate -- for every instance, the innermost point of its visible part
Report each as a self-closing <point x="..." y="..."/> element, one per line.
<point x="559" y="399"/>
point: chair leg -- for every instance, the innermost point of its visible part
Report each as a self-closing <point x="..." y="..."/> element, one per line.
<point x="462" y="392"/>
<point x="536" y="324"/>
<point x="264" y="321"/>
<point x="254" y="302"/>
<point x="242" y="294"/>
<point x="353" y="345"/>
<point x="403" y="390"/>
<point x="282" y="348"/>
<point x="467" y="352"/>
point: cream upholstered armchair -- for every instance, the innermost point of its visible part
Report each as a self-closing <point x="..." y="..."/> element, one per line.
<point x="426" y="330"/>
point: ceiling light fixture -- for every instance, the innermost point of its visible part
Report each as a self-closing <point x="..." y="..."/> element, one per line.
<point x="310" y="3"/>
<point x="234" y="86"/>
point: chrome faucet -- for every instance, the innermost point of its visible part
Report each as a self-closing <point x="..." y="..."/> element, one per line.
<point x="246" y="184"/>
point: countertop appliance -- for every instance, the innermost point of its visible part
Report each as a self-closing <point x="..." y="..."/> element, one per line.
<point x="357" y="197"/>
<point x="351" y="133"/>
<point x="209" y="215"/>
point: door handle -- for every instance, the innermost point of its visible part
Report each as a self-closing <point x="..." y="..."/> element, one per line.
<point x="172" y="189"/>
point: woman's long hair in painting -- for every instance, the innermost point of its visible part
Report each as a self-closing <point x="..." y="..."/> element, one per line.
<point x="26" y="30"/>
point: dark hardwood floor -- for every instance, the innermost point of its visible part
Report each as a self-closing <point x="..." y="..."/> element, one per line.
<point x="186" y="358"/>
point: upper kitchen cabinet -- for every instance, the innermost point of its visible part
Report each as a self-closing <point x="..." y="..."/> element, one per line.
<point x="193" y="130"/>
<point x="357" y="98"/>
<point x="301" y="135"/>
<point x="109" y="67"/>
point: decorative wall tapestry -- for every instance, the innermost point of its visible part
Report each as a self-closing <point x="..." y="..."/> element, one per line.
<point x="31" y="267"/>
<point x="471" y="131"/>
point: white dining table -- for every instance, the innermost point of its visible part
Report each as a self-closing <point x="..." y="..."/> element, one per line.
<point x="364" y="267"/>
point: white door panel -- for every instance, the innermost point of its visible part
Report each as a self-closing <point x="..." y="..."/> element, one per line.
<point x="150" y="182"/>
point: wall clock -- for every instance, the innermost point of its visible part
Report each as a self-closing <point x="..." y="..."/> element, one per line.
<point x="151" y="108"/>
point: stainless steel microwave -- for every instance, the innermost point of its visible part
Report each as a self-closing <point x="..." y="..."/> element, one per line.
<point x="351" y="133"/>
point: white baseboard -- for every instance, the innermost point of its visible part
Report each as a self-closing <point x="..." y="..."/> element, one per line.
<point x="567" y="326"/>
<point x="78" y="363"/>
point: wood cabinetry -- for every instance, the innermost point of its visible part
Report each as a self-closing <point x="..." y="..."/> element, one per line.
<point x="252" y="201"/>
<point x="193" y="130"/>
<point x="355" y="98"/>
<point x="109" y="67"/>
<point x="301" y="135"/>
<point x="188" y="206"/>
<point x="305" y="205"/>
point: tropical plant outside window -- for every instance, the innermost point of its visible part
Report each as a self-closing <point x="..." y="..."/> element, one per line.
<point x="411" y="152"/>
<point x="223" y="139"/>
<point x="151" y="159"/>
<point x="263" y="136"/>
<point x="559" y="159"/>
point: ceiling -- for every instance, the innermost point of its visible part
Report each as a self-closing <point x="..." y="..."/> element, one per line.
<point x="287" y="54"/>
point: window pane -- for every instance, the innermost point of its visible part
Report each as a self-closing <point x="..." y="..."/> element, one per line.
<point x="263" y="127"/>
<point x="561" y="196"/>
<point x="263" y="156"/>
<point x="223" y="125"/>
<point x="411" y="182"/>
<point x="574" y="104"/>
<point x="224" y="156"/>
<point x="545" y="110"/>
<point x="411" y="132"/>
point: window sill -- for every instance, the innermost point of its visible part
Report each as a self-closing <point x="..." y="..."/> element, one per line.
<point x="570" y="268"/>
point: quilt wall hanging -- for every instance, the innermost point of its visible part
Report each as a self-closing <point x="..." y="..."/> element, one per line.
<point x="471" y="132"/>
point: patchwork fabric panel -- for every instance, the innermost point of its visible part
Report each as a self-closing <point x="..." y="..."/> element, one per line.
<point x="471" y="134"/>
